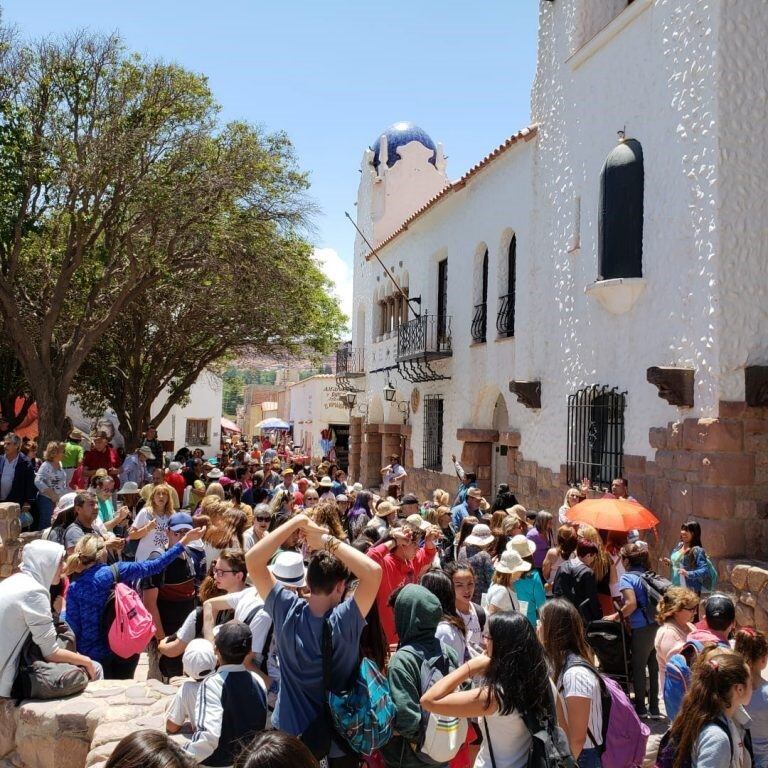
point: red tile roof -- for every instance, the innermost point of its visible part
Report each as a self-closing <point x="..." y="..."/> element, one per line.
<point x="526" y="134"/>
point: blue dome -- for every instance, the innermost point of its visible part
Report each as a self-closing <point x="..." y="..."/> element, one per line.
<point x="398" y="135"/>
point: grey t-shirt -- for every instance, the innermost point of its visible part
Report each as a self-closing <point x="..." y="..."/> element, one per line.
<point x="75" y="532"/>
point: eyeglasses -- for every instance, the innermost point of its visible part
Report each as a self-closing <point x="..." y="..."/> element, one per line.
<point x="263" y="518"/>
<point x="220" y="572"/>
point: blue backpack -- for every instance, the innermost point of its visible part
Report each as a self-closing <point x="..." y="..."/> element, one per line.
<point x="363" y="713"/>
<point x="677" y="672"/>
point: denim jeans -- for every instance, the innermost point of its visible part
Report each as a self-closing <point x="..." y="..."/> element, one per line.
<point x="45" y="512"/>
<point x="589" y="758"/>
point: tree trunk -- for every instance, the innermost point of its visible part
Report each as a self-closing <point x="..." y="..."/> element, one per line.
<point x="51" y="416"/>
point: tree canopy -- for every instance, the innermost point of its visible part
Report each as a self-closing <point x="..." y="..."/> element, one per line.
<point x="127" y="210"/>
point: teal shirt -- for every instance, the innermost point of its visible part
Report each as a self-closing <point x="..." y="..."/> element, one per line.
<point x="529" y="588"/>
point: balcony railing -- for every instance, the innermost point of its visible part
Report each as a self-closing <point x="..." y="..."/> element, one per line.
<point x="479" y="323"/>
<point x="505" y="320"/>
<point x="350" y="361"/>
<point x="427" y="337"/>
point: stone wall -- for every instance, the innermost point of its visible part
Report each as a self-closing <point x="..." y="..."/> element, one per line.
<point x="12" y="537"/>
<point x="748" y="583"/>
<point x="81" y="730"/>
<point x="714" y="470"/>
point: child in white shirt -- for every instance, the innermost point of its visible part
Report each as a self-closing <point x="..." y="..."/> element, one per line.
<point x="199" y="661"/>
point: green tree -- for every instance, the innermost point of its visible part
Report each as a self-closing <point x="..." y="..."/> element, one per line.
<point x="164" y="342"/>
<point x="114" y="177"/>
<point x="232" y="397"/>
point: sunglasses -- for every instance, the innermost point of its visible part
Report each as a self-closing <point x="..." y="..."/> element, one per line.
<point x="263" y="518"/>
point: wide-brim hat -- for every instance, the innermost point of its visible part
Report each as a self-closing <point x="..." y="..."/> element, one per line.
<point x="385" y="509"/>
<point x="128" y="488"/>
<point x="145" y="450"/>
<point x="289" y="570"/>
<point x="76" y="434"/>
<point x="215" y="474"/>
<point x="481" y="536"/>
<point x="522" y="545"/>
<point x="66" y="501"/>
<point x="475" y="493"/>
<point x="511" y="562"/>
<point x="325" y="482"/>
<point x="416" y="522"/>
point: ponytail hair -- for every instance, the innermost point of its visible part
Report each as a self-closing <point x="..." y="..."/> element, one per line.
<point x="85" y="555"/>
<point x="751" y="644"/>
<point x="715" y="672"/>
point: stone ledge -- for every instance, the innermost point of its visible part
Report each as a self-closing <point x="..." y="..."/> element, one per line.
<point x="469" y="435"/>
<point x="81" y="730"/>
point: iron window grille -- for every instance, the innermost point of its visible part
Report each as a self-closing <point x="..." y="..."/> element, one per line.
<point x="505" y="319"/>
<point x="479" y="320"/>
<point x="433" y="432"/>
<point x="596" y="435"/>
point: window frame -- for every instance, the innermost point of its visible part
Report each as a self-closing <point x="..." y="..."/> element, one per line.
<point x="189" y="422"/>
<point x="433" y="433"/>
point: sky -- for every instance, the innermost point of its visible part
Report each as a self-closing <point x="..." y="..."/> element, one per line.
<point x="333" y="74"/>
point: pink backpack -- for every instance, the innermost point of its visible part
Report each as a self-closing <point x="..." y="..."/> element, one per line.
<point x="133" y="626"/>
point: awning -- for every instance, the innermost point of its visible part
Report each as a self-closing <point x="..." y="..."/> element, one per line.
<point x="229" y="426"/>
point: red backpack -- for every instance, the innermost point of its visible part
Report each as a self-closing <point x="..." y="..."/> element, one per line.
<point x="133" y="626"/>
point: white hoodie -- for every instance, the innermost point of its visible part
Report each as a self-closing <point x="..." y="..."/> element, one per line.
<point x="25" y="606"/>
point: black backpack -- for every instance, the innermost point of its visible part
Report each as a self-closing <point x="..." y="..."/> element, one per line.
<point x="655" y="588"/>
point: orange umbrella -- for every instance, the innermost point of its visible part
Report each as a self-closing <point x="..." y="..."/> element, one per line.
<point x="612" y="515"/>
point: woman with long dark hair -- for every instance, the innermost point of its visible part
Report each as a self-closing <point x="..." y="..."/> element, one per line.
<point x="148" y="749"/>
<point x="561" y="632"/>
<point x="275" y="749"/>
<point x="514" y="683"/>
<point x="688" y="559"/>
<point x="451" y="629"/>
<point x="707" y="732"/>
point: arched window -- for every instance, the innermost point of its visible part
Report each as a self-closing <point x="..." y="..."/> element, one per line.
<point x="620" y="233"/>
<point x="505" y="320"/>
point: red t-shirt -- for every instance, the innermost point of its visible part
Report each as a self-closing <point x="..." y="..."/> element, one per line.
<point x="106" y="459"/>
<point x="177" y="482"/>
<point x="396" y="573"/>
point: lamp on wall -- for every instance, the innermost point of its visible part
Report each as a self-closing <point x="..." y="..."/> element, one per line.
<point x="389" y="393"/>
<point x="351" y="398"/>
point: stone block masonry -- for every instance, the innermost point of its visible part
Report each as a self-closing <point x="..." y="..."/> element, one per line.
<point x="713" y="470"/>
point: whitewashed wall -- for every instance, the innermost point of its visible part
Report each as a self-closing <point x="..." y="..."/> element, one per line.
<point x="687" y="79"/>
<point x="315" y="402"/>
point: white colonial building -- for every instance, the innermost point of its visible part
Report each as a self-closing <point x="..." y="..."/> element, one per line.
<point x="590" y="298"/>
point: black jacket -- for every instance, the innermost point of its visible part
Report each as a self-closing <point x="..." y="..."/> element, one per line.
<point x="23" y="489"/>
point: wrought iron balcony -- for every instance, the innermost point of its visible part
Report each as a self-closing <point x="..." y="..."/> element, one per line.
<point x="505" y="320"/>
<point x="427" y="337"/>
<point x="479" y="323"/>
<point x="350" y="361"/>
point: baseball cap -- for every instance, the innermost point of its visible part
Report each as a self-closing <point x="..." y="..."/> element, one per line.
<point x="199" y="659"/>
<point x="416" y="522"/>
<point x="174" y="466"/>
<point x="720" y="611"/>
<point x="180" y="521"/>
<point x="145" y="450"/>
<point x="409" y="498"/>
<point x="234" y="639"/>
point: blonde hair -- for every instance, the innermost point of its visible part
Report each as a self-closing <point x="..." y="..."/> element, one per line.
<point x="568" y="493"/>
<point x="673" y="600"/>
<point x="52" y="449"/>
<point x="168" y="498"/>
<point x="215" y="489"/>
<point x="602" y="564"/>
<point x="85" y="554"/>
<point x="441" y="497"/>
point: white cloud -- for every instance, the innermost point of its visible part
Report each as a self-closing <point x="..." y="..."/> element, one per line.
<point x="339" y="272"/>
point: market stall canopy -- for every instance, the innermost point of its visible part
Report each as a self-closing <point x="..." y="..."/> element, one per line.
<point x="612" y="515"/>
<point x="229" y="426"/>
<point x="273" y="424"/>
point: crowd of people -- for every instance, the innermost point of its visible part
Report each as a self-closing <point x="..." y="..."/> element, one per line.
<point x="268" y="581"/>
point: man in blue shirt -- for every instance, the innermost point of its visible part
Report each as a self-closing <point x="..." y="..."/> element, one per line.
<point x="469" y="507"/>
<point x="299" y="626"/>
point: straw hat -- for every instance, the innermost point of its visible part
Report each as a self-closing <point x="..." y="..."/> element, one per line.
<point x="511" y="562"/>
<point x="385" y="509"/>
<point x="481" y="536"/>
<point x="522" y="545"/>
<point x="289" y="569"/>
<point x="416" y="522"/>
